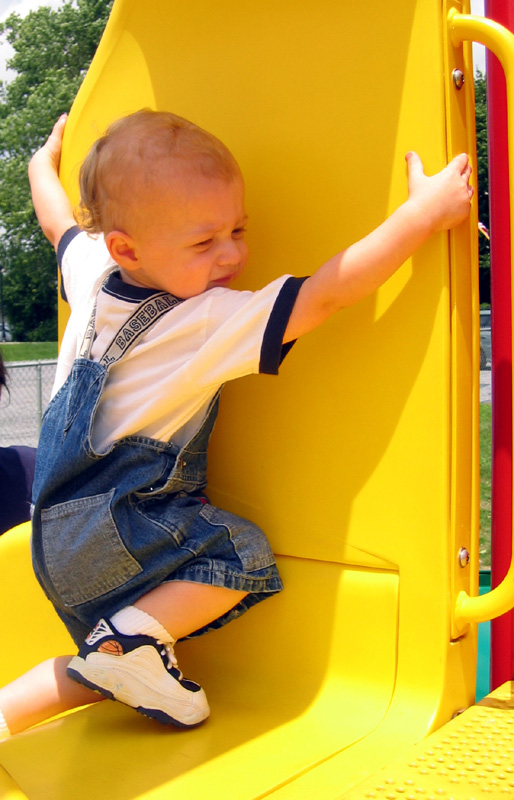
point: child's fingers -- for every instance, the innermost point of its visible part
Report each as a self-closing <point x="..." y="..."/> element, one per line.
<point x="413" y="161"/>
<point x="53" y="144"/>
<point x="59" y="126"/>
<point x="461" y="163"/>
<point x="415" y="168"/>
<point x="461" y="169"/>
<point x="466" y="174"/>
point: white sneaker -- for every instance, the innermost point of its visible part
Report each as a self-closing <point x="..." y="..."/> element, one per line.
<point x="140" y="672"/>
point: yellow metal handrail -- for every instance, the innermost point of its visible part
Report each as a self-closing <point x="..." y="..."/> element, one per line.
<point x="466" y="27"/>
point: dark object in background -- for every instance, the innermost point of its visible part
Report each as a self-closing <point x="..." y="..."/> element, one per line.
<point x="16" y="477"/>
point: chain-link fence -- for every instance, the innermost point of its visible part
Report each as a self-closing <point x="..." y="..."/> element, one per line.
<point x="21" y="408"/>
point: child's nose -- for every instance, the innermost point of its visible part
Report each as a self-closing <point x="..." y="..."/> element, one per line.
<point x="230" y="253"/>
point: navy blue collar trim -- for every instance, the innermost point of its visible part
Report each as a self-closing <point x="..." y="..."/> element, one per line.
<point x="116" y="287"/>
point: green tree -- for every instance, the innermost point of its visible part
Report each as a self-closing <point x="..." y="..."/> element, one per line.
<point x="484" y="258"/>
<point x="52" y="51"/>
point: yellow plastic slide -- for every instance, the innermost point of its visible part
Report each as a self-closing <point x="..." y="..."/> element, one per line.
<point x="359" y="461"/>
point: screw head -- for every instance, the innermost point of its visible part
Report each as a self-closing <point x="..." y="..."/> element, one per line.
<point x="463" y="557"/>
<point x="458" y="78"/>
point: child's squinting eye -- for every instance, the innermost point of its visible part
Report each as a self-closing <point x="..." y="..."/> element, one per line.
<point x="205" y="243"/>
<point x="239" y="231"/>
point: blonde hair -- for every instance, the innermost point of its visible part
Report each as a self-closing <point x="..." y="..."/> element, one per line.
<point x="131" y="154"/>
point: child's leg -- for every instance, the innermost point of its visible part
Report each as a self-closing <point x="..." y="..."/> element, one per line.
<point x="183" y="607"/>
<point x="179" y="608"/>
<point x="130" y="656"/>
<point x="41" y="693"/>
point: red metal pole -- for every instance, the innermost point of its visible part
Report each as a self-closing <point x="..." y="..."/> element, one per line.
<point x="502" y="629"/>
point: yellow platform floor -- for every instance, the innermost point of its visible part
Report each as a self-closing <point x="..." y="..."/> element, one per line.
<point x="469" y="758"/>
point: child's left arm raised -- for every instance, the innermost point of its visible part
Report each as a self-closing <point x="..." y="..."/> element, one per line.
<point x="434" y="204"/>
<point x="51" y="204"/>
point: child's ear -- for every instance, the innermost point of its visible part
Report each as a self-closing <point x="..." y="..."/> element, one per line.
<point x="121" y="248"/>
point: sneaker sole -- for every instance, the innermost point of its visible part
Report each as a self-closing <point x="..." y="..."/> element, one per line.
<point x="151" y="713"/>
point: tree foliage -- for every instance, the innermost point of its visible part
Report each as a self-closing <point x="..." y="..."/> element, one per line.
<point x="52" y="51"/>
<point x="482" y="166"/>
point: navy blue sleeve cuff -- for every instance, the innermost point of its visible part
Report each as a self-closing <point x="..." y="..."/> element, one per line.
<point x="273" y="351"/>
<point x="64" y="241"/>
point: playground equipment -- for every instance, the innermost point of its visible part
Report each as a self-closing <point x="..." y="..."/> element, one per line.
<point x="360" y="461"/>
<point x="502" y="628"/>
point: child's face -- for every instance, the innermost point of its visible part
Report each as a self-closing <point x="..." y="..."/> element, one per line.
<point x="189" y="236"/>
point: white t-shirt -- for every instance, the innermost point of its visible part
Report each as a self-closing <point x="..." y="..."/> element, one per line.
<point x="162" y="387"/>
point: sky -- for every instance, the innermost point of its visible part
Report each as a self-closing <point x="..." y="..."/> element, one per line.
<point x="22" y="7"/>
<point x="477" y="7"/>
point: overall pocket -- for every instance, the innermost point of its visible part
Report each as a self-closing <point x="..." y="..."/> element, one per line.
<point x="234" y="536"/>
<point x="84" y="553"/>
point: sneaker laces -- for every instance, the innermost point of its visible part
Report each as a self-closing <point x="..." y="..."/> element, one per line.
<point x="169" y="653"/>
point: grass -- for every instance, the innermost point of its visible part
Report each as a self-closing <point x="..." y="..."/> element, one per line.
<point x="485" y="485"/>
<point x="28" y="351"/>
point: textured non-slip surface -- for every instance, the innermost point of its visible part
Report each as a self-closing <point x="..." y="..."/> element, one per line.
<point x="471" y="757"/>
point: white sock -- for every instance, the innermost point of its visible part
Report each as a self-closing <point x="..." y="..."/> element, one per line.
<point x="4" y="729"/>
<point x="132" y="621"/>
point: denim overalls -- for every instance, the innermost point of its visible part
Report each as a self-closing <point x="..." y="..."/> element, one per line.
<point x="108" y="528"/>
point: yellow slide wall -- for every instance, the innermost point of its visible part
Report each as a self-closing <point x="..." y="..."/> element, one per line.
<point x="359" y="461"/>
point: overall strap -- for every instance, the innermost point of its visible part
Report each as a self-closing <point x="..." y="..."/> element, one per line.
<point x="144" y="317"/>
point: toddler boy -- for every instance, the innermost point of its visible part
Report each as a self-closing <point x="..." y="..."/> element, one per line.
<point x="125" y="542"/>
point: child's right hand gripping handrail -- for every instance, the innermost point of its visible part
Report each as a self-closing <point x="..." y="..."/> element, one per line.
<point x="501" y="42"/>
